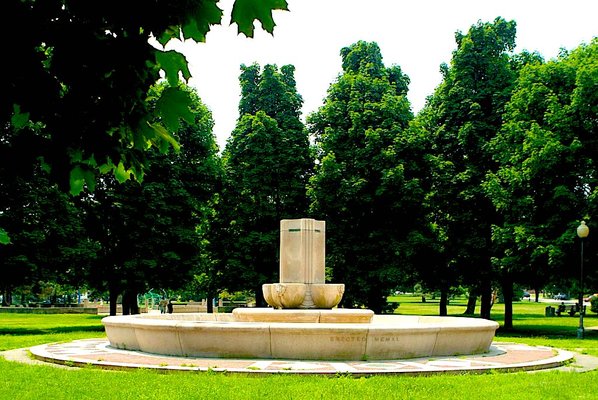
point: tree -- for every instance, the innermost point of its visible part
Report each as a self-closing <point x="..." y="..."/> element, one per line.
<point x="80" y="73"/>
<point x="467" y="109"/>
<point x="546" y="181"/>
<point x="364" y="185"/>
<point x="267" y="164"/>
<point x="82" y="110"/>
<point x="152" y="232"/>
<point x="48" y="243"/>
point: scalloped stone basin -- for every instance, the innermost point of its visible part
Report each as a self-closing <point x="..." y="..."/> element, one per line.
<point x="303" y="295"/>
<point x="338" y="334"/>
<point x="284" y="295"/>
<point x="327" y="295"/>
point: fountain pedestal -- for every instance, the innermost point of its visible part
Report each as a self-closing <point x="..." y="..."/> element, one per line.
<point x="302" y="268"/>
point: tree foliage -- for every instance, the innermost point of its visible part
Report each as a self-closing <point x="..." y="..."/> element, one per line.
<point x="462" y="117"/>
<point x="546" y="181"/>
<point x="79" y="75"/>
<point x="364" y="186"/>
<point x="151" y="233"/>
<point x="48" y="242"/>
<point x="267" y="164"/>
<point x="485" y="186"/>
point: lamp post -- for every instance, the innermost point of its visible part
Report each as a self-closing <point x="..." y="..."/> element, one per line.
<point x="582" y="231"/>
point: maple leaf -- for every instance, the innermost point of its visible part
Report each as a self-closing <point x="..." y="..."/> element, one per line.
<point x="245" y="12"/>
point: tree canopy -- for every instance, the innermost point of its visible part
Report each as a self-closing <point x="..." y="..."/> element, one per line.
<point x="267" y="163"/>
<point x="465" y="113"/>
<point x="359" y="175"/>
<point x="79" y="76"/>
<point x="546" y="180"/>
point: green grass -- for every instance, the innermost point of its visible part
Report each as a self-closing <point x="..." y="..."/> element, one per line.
<point x="27" y="382"/>
<point x="26" y="330"/>
<point x="23" y="381"/>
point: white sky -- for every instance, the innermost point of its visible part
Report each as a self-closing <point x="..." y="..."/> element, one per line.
<point x="417" y="35"/>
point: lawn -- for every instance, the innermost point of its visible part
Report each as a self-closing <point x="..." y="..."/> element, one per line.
<point x="23" y="381"/>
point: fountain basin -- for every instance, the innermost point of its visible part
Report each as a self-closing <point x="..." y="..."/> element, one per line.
<point x="327" y="295"/>
<point x="284" y="295"/>
<point x="303" y="295"/>
<point x="384" y="337"/>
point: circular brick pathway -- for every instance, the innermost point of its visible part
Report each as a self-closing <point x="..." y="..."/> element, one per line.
<point x="505" y="357"/>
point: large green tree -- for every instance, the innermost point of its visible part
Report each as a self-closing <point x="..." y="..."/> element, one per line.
<point x="76" y="94"/>
<point x="151" y="233"/>
<point x="48" y="242"/>
<point x="267" y="165"/>
<point x="364" y="186"/>
<point x="547" y="181"/>
<point x="466" y="113"/>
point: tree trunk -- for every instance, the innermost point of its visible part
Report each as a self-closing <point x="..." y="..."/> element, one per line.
<point x="126" y="306"/>
<point x="6" y="298"/>
<point x="130" y="305"/>
<point x="210" y="302"/>
<point x="507" y="291"/>
<point x="471" y="303"/>
<point x="443" y="311"/>
<point x="537" y="290"/>
<point x="259" y="297"/>
<point x="486" y="298"/>
<point x="113" y="298"/>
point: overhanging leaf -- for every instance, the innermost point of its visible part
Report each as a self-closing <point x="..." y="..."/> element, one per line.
<point x="77" y="180"/>
<point x="166" y="136"/>
<point x="121" y="174"/>
<point x="172" y="32"/>
<point x="81" y="176"/>
<point x="198" y="25"/>
<point x="245" y="12"/>
<point x="173" y="105"/>
<point x="4" y="238"/>
<point x="18" y="119"/>
<point x="173" y="62"/>
<point x="105" y="168"/>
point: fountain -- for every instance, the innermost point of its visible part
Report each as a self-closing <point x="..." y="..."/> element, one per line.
<point x="303" y="323"/>
<point x="302" y="253"/>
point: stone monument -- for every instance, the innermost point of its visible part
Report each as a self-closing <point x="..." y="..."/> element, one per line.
<point x="302" y="268"/>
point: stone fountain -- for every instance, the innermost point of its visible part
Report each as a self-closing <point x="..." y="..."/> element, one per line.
<point x="303" y="322"/>
<point x="302" y="273"/>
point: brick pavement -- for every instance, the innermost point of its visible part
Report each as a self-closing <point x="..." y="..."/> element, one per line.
<point x="504" y="357"/>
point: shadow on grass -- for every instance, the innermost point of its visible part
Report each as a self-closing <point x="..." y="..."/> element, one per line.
<point x="45" y="331"/>
<point x="551" y="332"/>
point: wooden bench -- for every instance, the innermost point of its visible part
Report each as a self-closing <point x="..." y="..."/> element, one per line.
<point x="571" y="310"/>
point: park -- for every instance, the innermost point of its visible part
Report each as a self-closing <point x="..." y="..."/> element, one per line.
<point x="370" y="248"/>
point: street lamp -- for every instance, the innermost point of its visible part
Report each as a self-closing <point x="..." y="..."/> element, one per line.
<point x="582" y="231"/>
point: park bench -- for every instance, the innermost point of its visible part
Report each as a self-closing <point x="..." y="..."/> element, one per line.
<point x="571" y="310"/>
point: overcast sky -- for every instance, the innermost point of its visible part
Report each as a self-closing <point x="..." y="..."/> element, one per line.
<point x="417" y="35"/>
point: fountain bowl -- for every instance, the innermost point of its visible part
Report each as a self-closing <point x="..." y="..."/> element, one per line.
<point x="284" y="295"/>
<point x="327" y="295"/>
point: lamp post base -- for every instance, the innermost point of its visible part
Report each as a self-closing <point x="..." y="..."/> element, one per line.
<point x="580" y="330"/>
